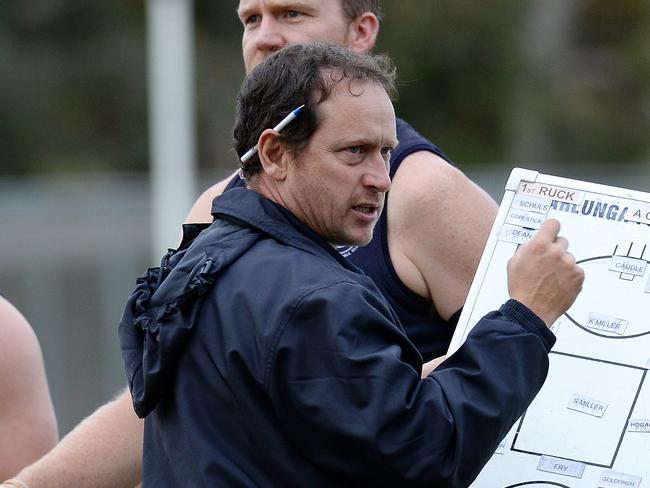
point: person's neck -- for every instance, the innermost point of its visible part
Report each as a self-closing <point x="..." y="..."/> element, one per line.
<point x="262" y="186"/>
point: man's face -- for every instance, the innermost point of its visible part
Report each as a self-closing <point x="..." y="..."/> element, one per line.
<point x="338" y="182"/>
<point x="270" y="25"/>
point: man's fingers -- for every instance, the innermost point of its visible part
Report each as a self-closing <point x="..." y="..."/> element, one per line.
<point x="563" y="242"/>
<point x="549" y="230"/>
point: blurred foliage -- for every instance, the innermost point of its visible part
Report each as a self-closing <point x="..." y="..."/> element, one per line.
<point x="489" y="82"/>
<point x="604" y="94"/>
<point x="456" y="61"/>
<point x="72" y="81"/>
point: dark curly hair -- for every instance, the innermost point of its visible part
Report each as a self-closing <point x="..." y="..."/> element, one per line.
<point x="296" y="75"/>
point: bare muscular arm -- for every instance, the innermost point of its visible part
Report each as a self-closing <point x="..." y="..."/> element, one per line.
<point x="27" y="423"/>
<point x="438" y="224"/>
<point x="105" y="450"/>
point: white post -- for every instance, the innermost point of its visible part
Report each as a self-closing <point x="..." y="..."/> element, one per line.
<point x="171" y="118"/>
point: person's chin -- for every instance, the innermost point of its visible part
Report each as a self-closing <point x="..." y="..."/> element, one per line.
<point x="361" y="238"/>
<point x="353" y="235"/>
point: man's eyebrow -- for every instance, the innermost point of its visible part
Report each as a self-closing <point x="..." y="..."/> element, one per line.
<point x="367" y="141"/>
<point x="284" y="3"/>
<point x="292" y="5"/>
<point x="243" y="12"/>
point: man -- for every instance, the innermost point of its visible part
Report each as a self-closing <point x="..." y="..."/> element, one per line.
<point x="423" y="256"/>
<point x="428" y="243"/>
<point x="259" y="316"/>
<point x="28" y="426"/>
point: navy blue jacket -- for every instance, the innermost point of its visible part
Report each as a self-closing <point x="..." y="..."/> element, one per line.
<point x="261" y="357"/>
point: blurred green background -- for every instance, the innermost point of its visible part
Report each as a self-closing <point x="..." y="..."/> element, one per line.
<point x="560" y="86"/>
<point x="559" y="82"/>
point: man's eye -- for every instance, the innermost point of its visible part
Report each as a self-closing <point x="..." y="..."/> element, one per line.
<point x="386" y="151"/>
<point x="355" y="149"/>
<point x="251" y="19"/>
<point x="292" y="14"/>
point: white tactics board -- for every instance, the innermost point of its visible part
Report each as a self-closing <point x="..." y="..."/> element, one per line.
<point x="589" y="426"/>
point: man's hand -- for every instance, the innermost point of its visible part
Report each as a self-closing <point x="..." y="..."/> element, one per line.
<point x="428" y="367"/>
<point x="543" y="275"/>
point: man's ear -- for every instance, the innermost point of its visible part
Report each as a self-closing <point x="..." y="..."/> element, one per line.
<point x="273" y="155"/>
<point x="362" y="32"/>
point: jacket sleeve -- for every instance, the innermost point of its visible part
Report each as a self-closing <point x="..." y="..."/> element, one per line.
<point x="345" y="383"/>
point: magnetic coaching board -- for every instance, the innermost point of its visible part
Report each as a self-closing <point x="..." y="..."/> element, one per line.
<point x="589" y="426"/>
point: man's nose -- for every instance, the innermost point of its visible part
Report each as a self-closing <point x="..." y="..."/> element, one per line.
<point x="269" y="37"/>
<point x="377" y="176"/>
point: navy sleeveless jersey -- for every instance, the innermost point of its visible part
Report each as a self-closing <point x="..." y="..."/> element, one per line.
<point x="422" y="323"/>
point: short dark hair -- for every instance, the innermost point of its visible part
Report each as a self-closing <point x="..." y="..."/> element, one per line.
<point x="354" y="8"/>
<point x="296" y="75"/>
